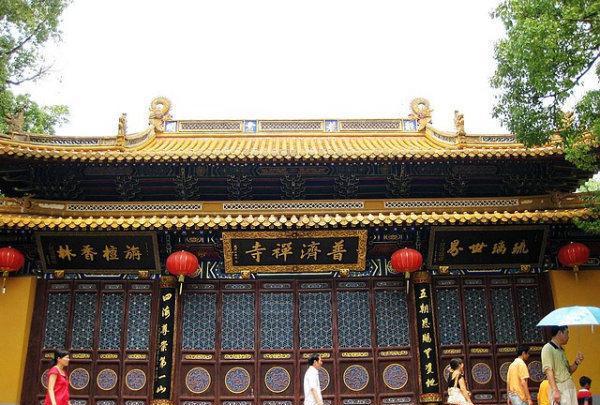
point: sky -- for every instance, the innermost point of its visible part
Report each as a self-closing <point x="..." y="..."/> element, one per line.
<point x="272" y="59"/>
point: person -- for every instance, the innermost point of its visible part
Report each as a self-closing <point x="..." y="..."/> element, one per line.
<point x="557" y="368"/>
<point x="58" y="382"/>
<point x="516" y="379"/>
<point x="457" y="387"/>
<point x="543" y="397"/>
<point x="584" y="395"/>
<point x="312" y="386"/>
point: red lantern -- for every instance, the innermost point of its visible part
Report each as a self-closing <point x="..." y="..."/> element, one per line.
<point x="406" y="261"/>
<point x="10" y="260"/>
<point x="182" y="264"/>
<point x="573" y="255"/>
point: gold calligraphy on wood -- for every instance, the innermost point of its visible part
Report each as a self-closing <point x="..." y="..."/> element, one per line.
<point x="282" y="251"/>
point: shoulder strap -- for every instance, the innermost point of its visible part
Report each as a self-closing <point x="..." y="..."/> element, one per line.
<point x="455" y="379"/>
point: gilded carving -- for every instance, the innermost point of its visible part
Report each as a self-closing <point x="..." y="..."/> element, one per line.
<point x="237" y="356"/>
<point x="277" y="356"/>
<point x="355" y="354"/>
<point x="80" y="356"/>
<point x="109" y="356"/>
<point x="323" y="355"/>
<point x="390" y="353"/>
<point x="452" y="351"/>
<point x="480" y="350"/>
<point x="198" y="356"/>
<point x="430" y="398"/>
<point x="122" y="128"/>
<point x="162" y="402"/>
<point x="459" y="123"/>
<point x="420" y="112"/>
<point x="159" y="113"/>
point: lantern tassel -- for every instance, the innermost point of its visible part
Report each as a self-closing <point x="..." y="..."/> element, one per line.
<point x="407" y="277"/>
<point x="181" y="278"/>
<point x="576" y="272"/>
<point x="4" y="277"/>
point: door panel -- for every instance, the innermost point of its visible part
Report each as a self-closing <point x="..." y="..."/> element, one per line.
<point x="250" y="341"/>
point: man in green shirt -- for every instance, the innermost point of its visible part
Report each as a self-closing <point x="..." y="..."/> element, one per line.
<point x="557" y="367"/>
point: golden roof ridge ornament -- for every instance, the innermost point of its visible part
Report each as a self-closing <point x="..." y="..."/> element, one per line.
<point x="122" y="130"/>
<point x="459" y="124"/>
<point x="421" y="112"/>
<point x="159" y="113"/>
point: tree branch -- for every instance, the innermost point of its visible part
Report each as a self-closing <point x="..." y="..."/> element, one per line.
<point x="22" y="43"/>
<point x="38" y="74"/>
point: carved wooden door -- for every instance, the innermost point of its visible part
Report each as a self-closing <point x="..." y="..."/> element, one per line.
<point x="108" y="330"/>
<point x="482" y="320"/>
<point x="245" y="343"/>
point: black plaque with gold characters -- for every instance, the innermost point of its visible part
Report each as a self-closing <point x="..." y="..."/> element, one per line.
<point x="107" y="252"/>
<point x="75" y="252"/>
<point x="429" y="376"/>
<point x="163" y="371"/>
<point x="469" y="247"/>
<point x="295" y="251"/>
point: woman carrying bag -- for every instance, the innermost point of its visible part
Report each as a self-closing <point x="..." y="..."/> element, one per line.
<point x="457" y="387"/>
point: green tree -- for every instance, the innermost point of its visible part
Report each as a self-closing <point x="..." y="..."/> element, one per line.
<point x="549" y="48"/>
<point x="25" y="27"/>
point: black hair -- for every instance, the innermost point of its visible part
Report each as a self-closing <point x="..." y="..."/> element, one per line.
<point x="555" y="329"/>
<point x="455" y="363"/>
<point x="313" y="357"/>
<point x="583" y="381"/>
<point x="522" y="349"/>
<point x="58" y="354"/>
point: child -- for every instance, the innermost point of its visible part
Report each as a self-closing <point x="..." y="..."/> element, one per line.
<point x="584" y="396"/>
<point x="543" y="397"/>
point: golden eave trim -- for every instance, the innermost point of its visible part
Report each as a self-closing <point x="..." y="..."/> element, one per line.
<point x="295" y="221"/>
<point x="279" y="147"/>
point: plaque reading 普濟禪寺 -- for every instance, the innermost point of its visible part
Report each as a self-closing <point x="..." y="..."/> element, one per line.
<point x="295" y="251"/>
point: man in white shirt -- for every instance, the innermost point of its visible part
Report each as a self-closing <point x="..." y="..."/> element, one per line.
<point x="312" y="386"/>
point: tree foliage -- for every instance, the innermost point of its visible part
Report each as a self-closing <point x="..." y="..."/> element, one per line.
<point x="25" y="27"/>
<point x="549" y="48"/>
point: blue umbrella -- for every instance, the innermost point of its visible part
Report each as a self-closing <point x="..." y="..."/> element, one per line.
<point x="572" y="316"/>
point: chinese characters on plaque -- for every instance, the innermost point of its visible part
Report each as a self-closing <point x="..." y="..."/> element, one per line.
<point x="427" y="346"/>
<point x="486" y="247"/>
<point x="164" y="355"/>
<point x="295" y="251"/>
<point x="98" y="252"/>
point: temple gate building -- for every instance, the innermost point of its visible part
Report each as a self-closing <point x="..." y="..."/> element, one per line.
<point x="294" y="223"/>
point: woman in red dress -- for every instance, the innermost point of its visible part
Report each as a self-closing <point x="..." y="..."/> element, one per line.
<point x="58" y="381"/>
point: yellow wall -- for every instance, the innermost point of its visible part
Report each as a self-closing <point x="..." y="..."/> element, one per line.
<point x="567" y="291"/>
<point x="16" y="308"/>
